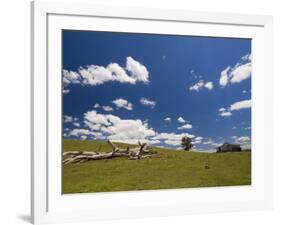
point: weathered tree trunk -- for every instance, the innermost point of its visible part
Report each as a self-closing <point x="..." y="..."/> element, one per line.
<point x="133" y="153"/>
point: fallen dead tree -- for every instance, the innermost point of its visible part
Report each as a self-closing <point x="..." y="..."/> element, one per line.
<point x="139" y="152"/>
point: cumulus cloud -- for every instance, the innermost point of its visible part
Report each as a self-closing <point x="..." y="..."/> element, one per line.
<point x="76" y="124"/>
<point x="245" y="104"/>
<point x="65" y="91"/>
<point x="135" y="141"/>
<point x="71" y="77"/>
<point x="96" y="75"/>
<point x="224" y="76"/>
<point x="107" y="108"/>
<point x="240" y="72"/>
<point x="171" y="138"/>
<point x="181" y="120"/>
<point x="240" y="105"/>
<point x="185" y="127"/>
<point x="244" y="141"/>
<point x="123" y="103"/>
<point x="247" y="57"/>
<point x="108" y="126"/>
<point x="201" y="84"/>
<point x="168" y="119"/>
<point x="197" y="140"/>
<point x="115" y="128"/>
<point x="207" y="142"/>
<point x="197" y="86"/>
<point x="147" y="102"/>
<point x="209" y="85"/>
<point x="127" y="130"/>
<point x="69" y="119"/>
<point x="225" y="114"/>
<point x="120" y="74"/>
<point x="83" y="137"/>
<point x="96" y="106"/>
<point x="137" y="70"/>
<point x="79" y="132"/>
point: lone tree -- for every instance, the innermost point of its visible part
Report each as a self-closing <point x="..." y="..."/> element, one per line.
<point x="186" y="143"/>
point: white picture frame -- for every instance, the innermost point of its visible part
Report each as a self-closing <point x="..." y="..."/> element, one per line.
<point x="48" y="205"/>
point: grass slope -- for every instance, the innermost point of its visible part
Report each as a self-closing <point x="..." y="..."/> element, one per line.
<point x="173" y="169"/>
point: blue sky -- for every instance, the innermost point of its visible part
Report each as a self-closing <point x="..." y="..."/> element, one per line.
<point x="156" y="88"/>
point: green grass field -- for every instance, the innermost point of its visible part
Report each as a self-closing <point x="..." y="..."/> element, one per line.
<point x="172" y="169"/>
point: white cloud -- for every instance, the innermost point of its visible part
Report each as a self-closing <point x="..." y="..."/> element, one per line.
<point x="153" y="142"/>
<point x="68" y="119"/>
<point x="96" y="105"/>
<point x="147" y="102"/>
<point x="65" y="91"/>
<point x="108" y="126"/>
<point x="197" y="86"/>
<point x="171" y="138"/>
<point x="96" y="75"/>
<point x="135" y="141"/>
<point x="242" y="139"/>
<point x="71" y="77"/>
<point x="216" y="144"/>
<point x="225" y="114"/>
<point x="240" y="105"/>
<point x="247" y="57"/>
<point x="224" y="76"/>
<point x="184" y="127"/>
<point x="209" y="142"/>
<point x="209" y="85"/>
<point x="181" y="120"/>
<point x="238" y="73"/>
<point x="168" y="119"/>
<point x="234" y="107"/>
<point x="120" y="74"/>
<point x="173" y="142"/>
<point x="123" y="103"/>
<point x="76" y="124"/>
<point x="198" y="139"/>
<point x="201" y="84"/>
<point x="83" y="137"/>
<point x="137" y="70"/>
<point x="107" y="108"/>
<point x="85" y="132"/>
<point x="115" y="128"/>
<point x="241" y="72"/>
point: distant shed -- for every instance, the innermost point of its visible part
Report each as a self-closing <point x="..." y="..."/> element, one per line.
<point x="226" y="147"/>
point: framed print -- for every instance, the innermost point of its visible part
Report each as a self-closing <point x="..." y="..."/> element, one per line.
<point x="163" y="112"/>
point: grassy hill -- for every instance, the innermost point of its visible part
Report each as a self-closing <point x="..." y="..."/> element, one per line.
<point x="172" y="169"/>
